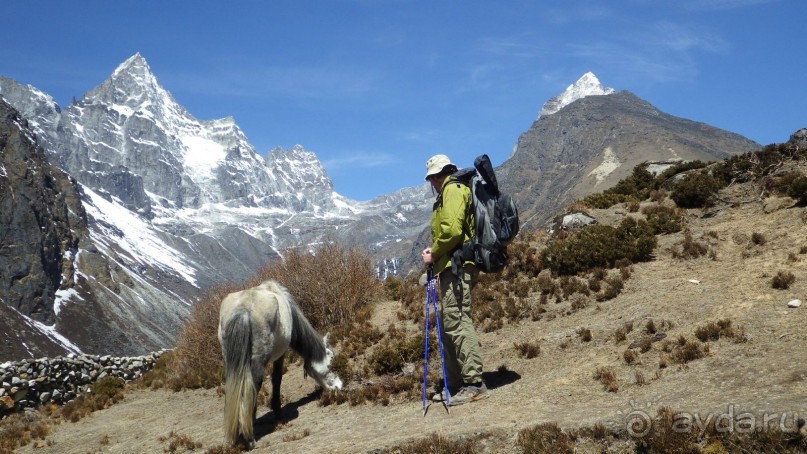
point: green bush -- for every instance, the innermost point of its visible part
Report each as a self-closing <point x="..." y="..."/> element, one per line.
<point x="607" y="200"/>
<point x="663" y="219"/>
<point x="638" y="184"/>
<point x="397" y="349"/>
<point x="680" y="168"/>
<point x="600" y="246"/>
<point x="696" y="190"/>
<point x="797" y="189"/>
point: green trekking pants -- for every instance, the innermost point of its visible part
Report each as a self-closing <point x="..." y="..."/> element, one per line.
<point x="461" y="348"/>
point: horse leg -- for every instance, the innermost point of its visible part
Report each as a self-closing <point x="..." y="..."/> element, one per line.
<point x="258" y="369"/>
<point x="277" y="376"/>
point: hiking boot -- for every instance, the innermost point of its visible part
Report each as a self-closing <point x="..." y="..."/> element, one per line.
<point x="470" y="393"/>
<point x="440" y="393"/>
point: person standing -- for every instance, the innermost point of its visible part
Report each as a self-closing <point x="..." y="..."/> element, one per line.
<point x="451" y="226"/>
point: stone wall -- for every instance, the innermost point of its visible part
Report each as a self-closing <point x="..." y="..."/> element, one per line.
<point x="33" y="382"/>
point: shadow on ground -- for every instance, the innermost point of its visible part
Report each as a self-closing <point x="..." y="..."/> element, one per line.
<point x="500" y="378"/>
<point x="267" y="423"/>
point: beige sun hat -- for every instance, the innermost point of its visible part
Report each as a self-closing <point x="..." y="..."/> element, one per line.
<point x="436" y="164"/>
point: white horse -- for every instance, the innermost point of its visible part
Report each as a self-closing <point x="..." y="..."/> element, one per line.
<point x="258" y="325"/>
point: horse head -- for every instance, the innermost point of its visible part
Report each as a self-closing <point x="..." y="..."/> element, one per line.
<point x="321" y="370"/>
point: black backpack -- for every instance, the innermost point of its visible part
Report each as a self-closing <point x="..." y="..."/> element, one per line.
<point x="495" y="219"/>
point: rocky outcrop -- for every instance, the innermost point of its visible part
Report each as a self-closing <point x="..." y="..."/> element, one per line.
<point x="34" y="382"/>
<point x="41" y="221"/>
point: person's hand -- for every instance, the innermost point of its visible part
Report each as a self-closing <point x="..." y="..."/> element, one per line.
<point x="426" y="255"/>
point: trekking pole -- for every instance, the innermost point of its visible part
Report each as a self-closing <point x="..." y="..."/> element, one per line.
<point x="431" y="300"/>
<point x="425" y="347"/>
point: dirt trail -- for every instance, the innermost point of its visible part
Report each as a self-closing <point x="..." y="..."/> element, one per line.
<point x="764" y="376"/>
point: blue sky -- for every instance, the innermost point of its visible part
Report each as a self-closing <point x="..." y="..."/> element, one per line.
<point x="375" y="87"/>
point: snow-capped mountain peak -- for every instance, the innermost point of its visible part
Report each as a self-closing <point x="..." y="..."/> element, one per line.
<point x="587" y="85"/>
<point x="135" y="65"/>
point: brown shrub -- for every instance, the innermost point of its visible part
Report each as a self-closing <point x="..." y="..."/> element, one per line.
<point x="20" y="429"/>
<point x="783" y="280"/>
<point x="196" y="362"/>
<point x="630" y="356"/>
<point x="713" y="331"/>
<point x="621" y="333"/>
<point x="758" y="239"/>
<point x="689" y="351"/>
<point x="330" y="285"/>
<point x="584" y="334"/>
<point x="613" y="287"/>
<point x="333" y="286"/>
<point x="645" y="344"/>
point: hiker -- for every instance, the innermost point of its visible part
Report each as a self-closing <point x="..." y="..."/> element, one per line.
<point x="451" y="224"/>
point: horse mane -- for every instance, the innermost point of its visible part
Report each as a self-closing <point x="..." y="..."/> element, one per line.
<point x="304" y="338"/>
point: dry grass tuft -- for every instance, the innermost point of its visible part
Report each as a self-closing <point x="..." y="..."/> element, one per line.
<point x="436" y="443"/>
<point x="545" y="438"/>
<point x="179" y="443"/>
<point x="606" y="376"/>
<point x="294" y="436"/>
<point x="689" y="248"/>
<point x="528" y="350"/>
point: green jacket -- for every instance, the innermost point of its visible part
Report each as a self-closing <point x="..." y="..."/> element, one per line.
<point x="452" y="222"/>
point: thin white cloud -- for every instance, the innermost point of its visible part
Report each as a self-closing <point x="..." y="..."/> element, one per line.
<point x="510" y="47"/>
<point x="662" y="52"/>
<point x="682" y="38"/>
<point x="585" y="12"/>
<point x="294" y="82"/>
<point x="637" y="63"/>
<point x="358" y="161"/>
<point x="722" y="5"/>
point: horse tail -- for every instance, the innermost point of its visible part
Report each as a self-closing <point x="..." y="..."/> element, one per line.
<point x="239" y="389"/>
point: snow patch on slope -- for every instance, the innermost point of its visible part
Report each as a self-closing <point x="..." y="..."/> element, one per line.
<point x="130" y="233"/>
<point x="610" y="162"/>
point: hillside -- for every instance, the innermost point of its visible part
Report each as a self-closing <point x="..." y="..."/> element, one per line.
<point x="756" y="371"/>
